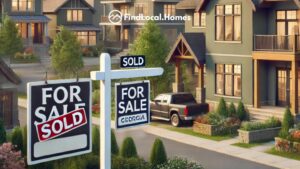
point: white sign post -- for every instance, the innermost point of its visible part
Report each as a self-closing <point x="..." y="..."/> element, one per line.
<point x="105" y="75"/>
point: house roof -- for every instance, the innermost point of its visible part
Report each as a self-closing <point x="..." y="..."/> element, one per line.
<point x="9" y="73"/>
<point x="30" y="19"/>
<point x="51" y="6"/>
<point x="263" y="2"/>
<point x="195" y="44"/>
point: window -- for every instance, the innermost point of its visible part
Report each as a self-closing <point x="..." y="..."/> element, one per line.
<point x="169" y="10"/>
<point x="287" y="22"/>
<point x="228" y="80"/>
<point x="199" y="19"/>
<point x="140" y="9"/>
<point x="124" y="9"/>
<point x="228" y="23"/>
<point x="22" y="5"/>
<point x="86" y="38"/>
<point x="23" y="29"/>
<point x="74" y="15"/>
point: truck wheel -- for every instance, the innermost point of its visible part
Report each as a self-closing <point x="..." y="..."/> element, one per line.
<point x="175" y="120"/>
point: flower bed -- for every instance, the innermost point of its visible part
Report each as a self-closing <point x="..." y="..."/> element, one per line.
<point x="214" y="130"/>
<point x="259" y="131"/>
<point x="289" y="144"/>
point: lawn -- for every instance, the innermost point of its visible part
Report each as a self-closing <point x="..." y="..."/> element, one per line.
<point x="189" y="131"/>
<point x="294" y="156"/>
<point x="250" y="145"/>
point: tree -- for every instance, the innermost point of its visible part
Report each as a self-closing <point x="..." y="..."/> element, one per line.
<point x="231" y="110"/>
<point x="287" y="123"/>
<point x="153" y="44"/>
<point x="96" y="141"/>
<point x="222" y="108"/>
<point x="114" y="144"/>
<point x="66" y="54"/>
<point x="128" y="148"/>
<point x="241" y="112"/>
<point x="10" y="39"/>
<point x="17" y="138"/>
<point x="158" y="154"/>
<point x="2" y="132"/>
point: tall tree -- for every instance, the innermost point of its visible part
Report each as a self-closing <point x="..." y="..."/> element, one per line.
<point x="66" y="54"/>
<point x="153" y="44"/>
<point x="10" y="39"/>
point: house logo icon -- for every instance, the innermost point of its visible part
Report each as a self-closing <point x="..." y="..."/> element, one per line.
<point x="115" y="17"/>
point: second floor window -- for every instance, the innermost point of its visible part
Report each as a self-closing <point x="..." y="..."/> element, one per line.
<point x="228" y="23"/>
<point x="169" y="10"/>
<point x="74" y="15"/>
<point x="287" y="22"/>
<point x="22" y="5"/>
<point x="140" y="9"/>
<point x="124" y="9"/>
<point x="199" y="19"/>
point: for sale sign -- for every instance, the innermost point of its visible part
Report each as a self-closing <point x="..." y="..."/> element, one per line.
<point x="59" y="119"/>
<point x="132" y="104"/>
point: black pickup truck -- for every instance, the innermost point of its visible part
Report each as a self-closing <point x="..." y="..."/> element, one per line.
<point x="176" y="107"/>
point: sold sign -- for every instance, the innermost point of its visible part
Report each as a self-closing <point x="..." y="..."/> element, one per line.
<point x="132" y="61"/>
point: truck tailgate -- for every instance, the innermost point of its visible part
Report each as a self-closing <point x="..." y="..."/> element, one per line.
<point x="197" y="109"/>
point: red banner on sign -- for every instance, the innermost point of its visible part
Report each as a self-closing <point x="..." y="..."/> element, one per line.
<point x="61" y="125"/>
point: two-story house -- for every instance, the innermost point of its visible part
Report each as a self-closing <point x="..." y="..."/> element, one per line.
<point x="28" y="15"/>
<point x="123" y="33"/>
<point x="80" y="16"/>
<point x="246" y="50"/>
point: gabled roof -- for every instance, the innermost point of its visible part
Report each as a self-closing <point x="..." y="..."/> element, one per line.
<point x="263" y="2"/>
<point x="9" y="73"/>
<point x="30" y="19"/>
<point x="51" y="6"/>
<point x="195" y="45"/>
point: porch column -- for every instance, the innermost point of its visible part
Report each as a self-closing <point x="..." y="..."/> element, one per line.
<point x="294" y="87"/>
<point x="121" y="36"/>
<point x="256" y="83"/>
<point x="200" y="90"/>
<point x="178" y="85"/>
<point x="30" y="37"/>
<point x="46" y="41"/>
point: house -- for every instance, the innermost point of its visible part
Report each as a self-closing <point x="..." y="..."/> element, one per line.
<point x="8" y="96"/>
<point x="246" y="50"/>
<point x="119" y="35"/>
<point x="80" y="16"/>
<point x="28" y="15"/>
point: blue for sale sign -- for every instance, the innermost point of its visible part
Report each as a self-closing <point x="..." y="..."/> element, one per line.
<point x="132" y="104"/>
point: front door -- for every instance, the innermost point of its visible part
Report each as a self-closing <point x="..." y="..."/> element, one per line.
<point x="283" y="87"/>
<point x="6" y="108"/>
<point x="37" y="30"/>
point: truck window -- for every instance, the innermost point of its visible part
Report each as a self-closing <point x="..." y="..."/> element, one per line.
<point x="159" y="98"/>
<point x="166" y="99"/>
<point x="183" y="98"/>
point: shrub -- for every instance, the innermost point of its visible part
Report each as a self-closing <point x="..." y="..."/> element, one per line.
<point x="158" y="154"/>
<point x="119" y="162"/>
<point x="96" y="96"/>
<point x="92" y="162"/>
<point x="222" y="108"/>
<point x="270" y="123"/>
<point x="9" y="158"/>
<point x="2" y="132"/>
<point x="241" y="112"/>
<point x="24" y="134"/>
<point x="287" y="123"/>
<point x="128" y="148"/>
<point x="231" y="110"/>
<point x="179" y="163"/>
<point x="96" y="141"/>
<point x="211" y="118"/>
<point x="17" y="138"/>
<point x="114" y="144"/>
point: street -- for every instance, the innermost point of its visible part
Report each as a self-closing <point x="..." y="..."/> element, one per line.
<point x="208" y="159"/>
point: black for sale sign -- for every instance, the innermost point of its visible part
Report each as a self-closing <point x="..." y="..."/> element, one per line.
<point x="59" y="119"/>
<point x="132" y="104"/>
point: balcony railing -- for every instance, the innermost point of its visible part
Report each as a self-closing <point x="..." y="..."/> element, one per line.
<point x="275" y="43"/>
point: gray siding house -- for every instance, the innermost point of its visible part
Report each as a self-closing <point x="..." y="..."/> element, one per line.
<point x="250" y="53"/>
<point x="121" y="34"/>
<point x="80" y="16"/>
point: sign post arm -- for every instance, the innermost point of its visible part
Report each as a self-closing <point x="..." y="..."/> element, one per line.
<point x="105" y="97"/>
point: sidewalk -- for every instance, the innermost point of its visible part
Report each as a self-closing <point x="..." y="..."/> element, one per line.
<point x="255" y="154"/>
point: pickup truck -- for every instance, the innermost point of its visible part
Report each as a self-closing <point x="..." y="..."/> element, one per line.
<point x="176" y="108"/>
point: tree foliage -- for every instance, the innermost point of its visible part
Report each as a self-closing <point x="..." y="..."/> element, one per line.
<point x="2" y="132"/>
<point x="66" y="54"/>
<point x="10" y="39"/>
<point x="158" y="154"/>
<point x="241" y="112"/>
<point x="231" y="110"/>
<point x="287" y="123"/>
<point x="96" y="141"/>
<point x="153" y="44"/>
<point x="128" y="149"/>
<point x="114" y="144"/>
<point x="17" y="138"/>
<point x="222" y="108"/>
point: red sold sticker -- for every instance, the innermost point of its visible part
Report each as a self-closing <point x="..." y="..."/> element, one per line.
<point x="61" y="125"/>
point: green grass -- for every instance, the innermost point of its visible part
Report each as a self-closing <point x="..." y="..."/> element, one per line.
<point x="189" y="131"/>
<point x="22" y="95"/>
<point x="294" y="156"/>
<point x="245" y="145"/>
